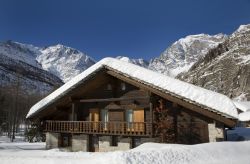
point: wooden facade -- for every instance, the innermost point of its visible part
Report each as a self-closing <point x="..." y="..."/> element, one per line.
<point x="110" y="104"/>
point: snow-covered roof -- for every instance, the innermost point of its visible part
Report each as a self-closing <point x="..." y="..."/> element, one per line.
<point x="242" y="105"/>
<point x="193" y="94"/>
<point x="245" y="116"/>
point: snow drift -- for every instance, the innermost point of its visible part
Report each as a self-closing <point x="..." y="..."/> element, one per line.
<point x="216" y="153"/>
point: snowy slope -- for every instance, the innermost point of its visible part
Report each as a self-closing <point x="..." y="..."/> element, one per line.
<point x="149" y="153"/>
<point x="209" y="100"/>
<point x="64" y="62"/>
<point x="182" y="54"/>
<point x="20" y="52"/>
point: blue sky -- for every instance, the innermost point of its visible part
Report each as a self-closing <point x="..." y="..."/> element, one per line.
<point x="101" y="28"/>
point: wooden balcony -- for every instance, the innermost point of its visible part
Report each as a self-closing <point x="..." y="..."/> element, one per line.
<point x="91" y="127"/>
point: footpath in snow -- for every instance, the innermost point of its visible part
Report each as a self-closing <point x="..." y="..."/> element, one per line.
<point x="222" y="152"/>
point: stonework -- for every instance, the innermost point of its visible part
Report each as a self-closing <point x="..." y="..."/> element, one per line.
<point x="105" y="144"/>
<point x="80" y="142"/>
<point x="52" y="140"/>
<point x="145" y="140"/>
<point x="215" y="133"/>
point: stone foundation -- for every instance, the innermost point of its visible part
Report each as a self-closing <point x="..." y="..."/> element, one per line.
<point x="215" y="132"/>
<point x="52" y="140"/>
<point x="80" y="142"/>
<point x="105" y="144"/>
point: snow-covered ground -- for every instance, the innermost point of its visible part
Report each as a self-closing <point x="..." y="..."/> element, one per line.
<point x="35" y="153"/>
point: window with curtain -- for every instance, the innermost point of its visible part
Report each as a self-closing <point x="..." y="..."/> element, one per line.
<point x="104" y="117"/>
<point x="129" y="118"/>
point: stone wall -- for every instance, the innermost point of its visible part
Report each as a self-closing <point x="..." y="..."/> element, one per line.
<point x="105" y="144"/>
<point x="52" y="140"/>
<point x="215" y="132"/>
<point x="80" y="142"/>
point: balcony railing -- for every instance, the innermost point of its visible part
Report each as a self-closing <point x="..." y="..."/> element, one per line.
<point x="91" y="127"/>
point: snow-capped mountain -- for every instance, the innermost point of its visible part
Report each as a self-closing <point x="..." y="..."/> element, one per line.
<point x="182" y="54"/>
<point x="140" y="62"/>
<point x="64" y="62"/>
<point x="41" y="69"/>
<point x="18" y="65"/>
<point x="226" y="68"/>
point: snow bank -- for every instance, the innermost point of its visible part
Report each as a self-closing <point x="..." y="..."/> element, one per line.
<point x="211" y="100"/>
<point x="203" y="153"/>
<point x="223" y="152"/>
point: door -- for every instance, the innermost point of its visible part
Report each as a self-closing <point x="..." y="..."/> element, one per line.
<point x="135" y="120"/>
<point x="65" y="140"/>
<point x="93" y="143"/>
<point x="139" y="120"/>
<point x="94" y="118"/>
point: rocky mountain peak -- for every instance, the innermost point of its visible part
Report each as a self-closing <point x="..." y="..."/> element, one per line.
<point x="182" y="54"/>
<point x="243" y="28"/>
<point x="140" y="62"/>
<point x="63" y="61"/>
<point x="225" y="68"/>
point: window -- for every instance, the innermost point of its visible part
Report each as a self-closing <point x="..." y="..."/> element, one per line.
<point x="123" y="86"/>
<point x="129" y="118"/>
<point x="104" y="117"/>
<point x="109" y="87"/>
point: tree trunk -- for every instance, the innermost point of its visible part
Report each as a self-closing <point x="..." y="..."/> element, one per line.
<point x="15" y="108"/>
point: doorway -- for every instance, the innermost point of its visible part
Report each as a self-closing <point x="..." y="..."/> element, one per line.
<point x="93" y="143"/>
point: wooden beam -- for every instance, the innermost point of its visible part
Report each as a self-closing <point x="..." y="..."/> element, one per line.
<point x="112" y="99"/>
<point x="168" y="96"/>
<point x="73" y="112"/>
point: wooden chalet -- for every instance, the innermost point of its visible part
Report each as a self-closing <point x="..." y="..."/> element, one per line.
<point x="115" y="105"/>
